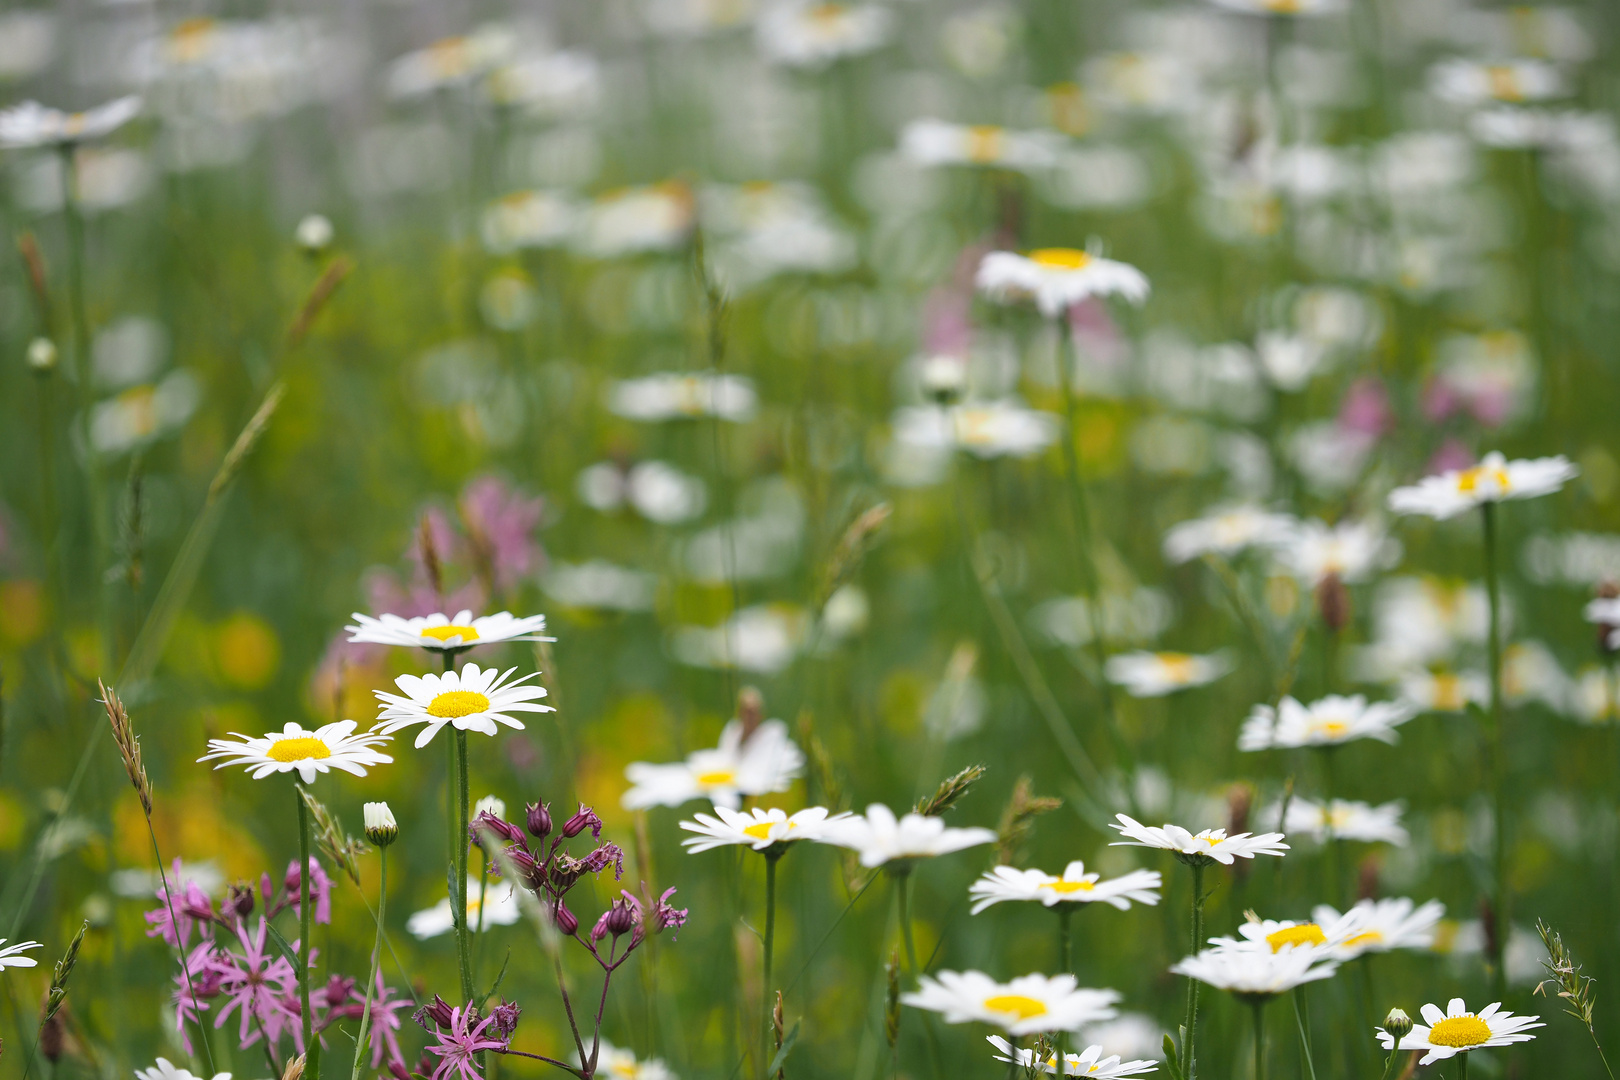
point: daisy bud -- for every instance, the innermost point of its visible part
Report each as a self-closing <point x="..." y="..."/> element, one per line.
<point x="1398" y="1024"/>
<point x="566" y="921"/>
<point x="42" y="354"/>
<point x="943" y="379"/>
<point x="585" y="819"/>
<point x="381" y="828"/>
<point x="314" y="233"/>
<point x="539" y="820"/>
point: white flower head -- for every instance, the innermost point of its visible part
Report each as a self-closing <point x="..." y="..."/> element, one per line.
<point x="31" y="124"/>
<point x="616" y="1063"/>
<point x="1089" y="1063"/>
<point x="986" y="429"/>
<point x="1443" y="691"/>
<point x="1028" y="1004"/>
<point x="675" y="397"/>
<point x="1494" y="479"/>
<point x="1330" y="721"/>
<point x="1226" y="532"/>
<point x="502" y="910"/>
<point x="443" y="632"/>
<point x="1381" y="925"/>
<point x="1457" y="1031"/>
<point x="1208" y="844"/>
<point x="936" y="142"/>
<point x="1155" y="674"/>
<point x="164" y="1069"/>
<point x="882" y="838"/>
<point x="1471" y="83"/>
<point x="814" y="33"/>
<point x="1259" y="972"/>
<point x="490" y="804"/>
<point x="758" y="829"/>
<point x="1074" y="885"/>
<point x="1352" y="551"/>
<point x="472" y="699"/>
<point x="766" y="761"/>
<point x="1058" y="278"/>
<point x="332" y="746"/>
<point x="1341" y="819"/>
<point x="12" y="955"/>
<point x="1283" y="935"/>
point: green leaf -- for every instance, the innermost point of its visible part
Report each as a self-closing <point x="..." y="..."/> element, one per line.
<point x="787" y="1048"/>
<point x="281" y="944"/>
<point x="496" y="985"/>
<point x="1171" y="1062"/>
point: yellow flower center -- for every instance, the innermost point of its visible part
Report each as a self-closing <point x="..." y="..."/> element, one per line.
<point x="984" y="144"/>
<point x="1066" y="887"/>
<point x="189" y="38"/>
<point x="1368" y="937"/>
<point x="718" y="778"/>
<point x="445" y="633"/>
<point x="1448" y="695"/>
<point x="1060" y="258"/>
<point x="1178" y="667"/>
<point x="759" y="830"/>
<point x="1282" y="7"/>
<point x="1213" y="841"/>
<point x="1468" y="480"/>
<point x="1303" y="934"/>
<point x="1330" y="729"/>
<point x="1016" y="1004"/>
<point x="1461" y="1031"/>
<point x="454" y="703"/>
<point x="827" y="13"/>
<point x="298" y="749"/>
<point x="1504" y="83"/>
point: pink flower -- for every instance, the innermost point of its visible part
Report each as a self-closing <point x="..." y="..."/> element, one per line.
<point x="457" y="1045"/>
<point x="385" y="1021"/>
<point x="1365" y="408"/>
<point x="258" y="985"/>
<point x="201" y="979"/>
<point x="174" y="921"/>
<point x="501" y="521"/>
<point x="1451" y="455"/>
<point x="320" y="889"/>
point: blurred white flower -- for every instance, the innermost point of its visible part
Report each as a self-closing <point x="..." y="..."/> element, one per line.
<point x="1156" y="83"/>
<point x="764" y="639"/>
<point x="1284" y="7"/>
<point x="765" y="761"/>
<point x="1381" y="925"/>
<point x="1290" y="360"/>
<point x="1341" y="819"/>
<point x="656" y="490"/>
<point x="696" y="18"/>
<point x="450" y="62"/>
<point x="143" y="413"/>
<point x="528" y="219"/>
<point x="815" y="33"/>
<point x="614" y="1063"/>
<point x="1444" y="691"/>
<point x="314" y="232"/>
<point x="985" y="429"/>
<point x="27" y="42"/>
<point x="599" y="584"/>
<point x="1058" y="278"/>
<point x="668" y="396"/>
<point x="845" y="613"/>
<point x="1028" y="1004"/>
<point x="502" y="910"/>
<point x="939" y="142"/>
<point x="1594" y="696"/>
<point x="1130" y="1035"/>
<point x="1155" y="674"/>
<point x="881" y="838"/>
<point x="1530" y="672"/>
<point x="558" y="84"/>
<point x="164" y="1069"/>
<point x="1139" y="615"/>
<point x="1470" y="82"/>
<point x="31" y="124"/>
<point x="1351" y="550"/>
<point x="1258" y="973"/>
<point x="105" y="177"/>
<point x="1226" y="532"/>
<point x="1494" y="479"/>
<point x="628" y="221"/>
<point x="1328" y="721"/>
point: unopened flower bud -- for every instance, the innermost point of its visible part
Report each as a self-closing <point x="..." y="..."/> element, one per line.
<point x="943" y="379"/>
<point x="436" y="1012"/>
<point x="539" y="820"/>
<point x="1398" y="1024"/>
<point x="294" y="1069"/>
<point x="488" y="823"/>
<point x="381" y="828"/>
<point x="1333" y="601"/>
<point x="585" y="819"/>
<point x="239" y="900"/>
<point x="566" y="921"/>
<point x="620" y="918"/>
<point x="42" y="354"/>
<point x="314" y="233"/>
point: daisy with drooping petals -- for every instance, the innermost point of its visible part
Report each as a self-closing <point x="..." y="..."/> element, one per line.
<point x="763" y="762"/>
<point x="1457" y="1031"/>
<point x="1089" y="1064"/>
<point x="1380" y="925"/>
<point x="31" y="124"/>
<point x="881" y="838"/>
<point x="758" y="829"/>
<point x="332" y="746"/>
<point x="1058" y="278"/>
<point x="1328" y="722"/>
<point x="445" y="633"/>
<point x="1155" y="674"/>
<point x="1341" y="819"/>
<point x="1074" y="885"/>
<point x="12" y="955"/>
<point x="473" y="699"/>
<point x="1210" y="844"/>
<point x="1028" y="1004"/>
<point x="1259" y="973"/>
<point x="1226" y="532"/>
<point x="1495" y="479"/>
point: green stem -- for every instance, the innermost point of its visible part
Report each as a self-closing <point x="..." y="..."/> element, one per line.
<point x="1259" y="1007"/>
<point x="463" y="931"/>
<point x="376" y="966"/>
<point x="1304" y="1036"/>
<point x="1501" y="915"/>
<point x="901" y="880"/>
<point x="771" y="859"/>
<point x="306" y="930"/>
<point x="1462" y="1066"/>
<point x="1065" y="967"/>
<point x="180" y="952"/>
<point x="1188" y="1039"/>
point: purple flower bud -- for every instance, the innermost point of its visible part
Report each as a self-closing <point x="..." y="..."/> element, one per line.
<point x="240" y="900"/>
<point x="505" y="1016"/>
<point x="437" y="1012"/>
<point x="265" y="889"/>
<point x="566" y="922"/>
<point x="621" y="918"/>
<point x="539" y="820"/>
<point x="585" y="819"/>
<point x="487" y="822"/>
<point x="338" y="990"/>
<point x="529" y="869"/>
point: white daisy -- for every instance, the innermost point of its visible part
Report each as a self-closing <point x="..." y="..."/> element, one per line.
<point x="1209" y="844"/>
<point x="1058" y="278"/>
<point x="814" y="33"/>
<point x="1605" y="611"/>
<point x="1074" y="886"/>
<point x="1457" y="1031"/>
<point x="31" y="124"/>
<point x="1226" y="532"/>
<point x="1469" y="82"/>
<point x="1381" y="925"/>
<point x="1283" y="7"/>
<point x="12" y="955"/>
<point x="766" y="761"/>
<point x="936" y="142"/>
<point x="473" y="699"/>
<point x="673" y="397"/>
<point x="1130" y="1035"/>
<point x="1594" y="697"/>
<point x="1281" y="935"/>
<point x="1090" y="1063"/>
<point x="985" y="429"/>
<point x="1444" y="691"/>
<point x="528" y="219"/>
<point x="164" y="1069"/>
<point x="1329" y="721"/>
<point x="332" y="746"/>
<point x="614" y="1063"/>
<point x="1351" y="550"/>
<point x="503" y="910"/>
<point x="1155" y="674"/>
<point x="1495" y="479"/>
<point x="881" y="838"/>
<point x="444" y="632"/>
<point x="1258" y="973"/>
<point x="1342" y="819"/>
<point x="627" y="221"/>
<point x="759" y="829"/>
<point x="1028" y="1004"/>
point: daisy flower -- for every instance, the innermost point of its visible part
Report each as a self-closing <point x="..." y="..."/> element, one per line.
<point x="1028" y="1004"/>
<point x="1342" y="819"/>
<point x="1444" y="691"/>
<point x="1226" y="532"/>
<point x="12" y="955"/>
<point x="627" y="221"/>
<point x="985" y="429"/>
<point x="1058" y="278"/>
<point x="1351" y="550"/>
<point x="445" y="633"/>
<point x="1469" y="82"/>
<point x="668" y="396"/>
<point x="759" y="829"/>
<point x="881" y="838"/>
<point x="1380" y="925"/>
<point x="1457" y="1031"/>
<point x="1074" y="885"/>
<point x="1258" y="973"/>
<point x="936" y="142"/>
<point x="814" y="33"/>
<point x="503" y="910"/>
<point x="1090" y="1063"/>
<point x="616" y="1064"/>
<point x="164" y="1069"/>
<point x="1328" y="722"/>
<point x="1155" y="674"/>
<point x="1282" y="935"/>
<point x="1209" y="844"/>
<point x="1495" y="479"/>
<point x="471" y="700"/>
<point x="1605" y="611"/>
<point x="332" y="746"/>
<point x="763" y="762"/>
<point x="31" y="124"/>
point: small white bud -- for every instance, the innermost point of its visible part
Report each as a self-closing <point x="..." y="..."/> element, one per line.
<point x="42" y="354"/>
<point x="314" y="233"/>
<point x="943" y="378"/>
<point x="492" y="804"/>
<point x="380" y="826"/>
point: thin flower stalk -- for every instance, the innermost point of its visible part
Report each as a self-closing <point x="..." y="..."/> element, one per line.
<point x="1501" y="898"/>
<point x="306" y="936"/>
